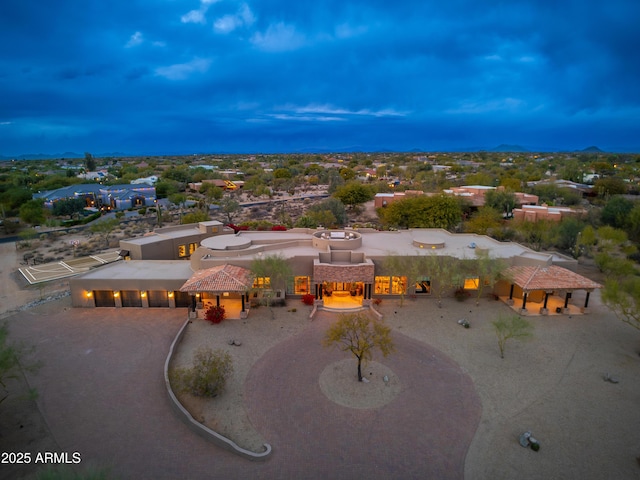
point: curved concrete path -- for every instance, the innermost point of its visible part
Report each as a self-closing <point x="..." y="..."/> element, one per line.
<point x="102" y="394"/>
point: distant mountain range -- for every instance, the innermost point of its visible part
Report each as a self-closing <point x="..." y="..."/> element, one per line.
<point x="507" y="148"/>
<point x="56" y="156"/>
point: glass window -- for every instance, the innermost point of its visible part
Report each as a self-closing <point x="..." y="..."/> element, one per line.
<point x="301" y="285"/>
<point x="471" y="283"/>
<point x="192" y="247"/>
<point x="262" y="282"/>
<point x="381" y="285"/>
<point x="423" y="285"/>
<point x="182" y="250"/>
<point x="398" y="285"/>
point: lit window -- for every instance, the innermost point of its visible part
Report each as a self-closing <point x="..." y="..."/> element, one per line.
<point x="398" y="285"/>
<point x="301" y="285"/>
<point x="423" y="285"/>
<point x="262" y="282"/>
<point x="381" y="285"/>
<point x="182" y="250"/>
<point x="471" y="283"/>
<point x="192" y="247"/>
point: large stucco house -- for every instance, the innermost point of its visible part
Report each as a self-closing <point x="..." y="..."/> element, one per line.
<point x="198" y="265"/>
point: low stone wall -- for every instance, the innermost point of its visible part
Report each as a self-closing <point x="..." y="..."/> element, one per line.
<point x="202" y="430"/>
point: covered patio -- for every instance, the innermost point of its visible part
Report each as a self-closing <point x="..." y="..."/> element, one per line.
<point x="223" y="285"/>
<point x="547" y="290"/>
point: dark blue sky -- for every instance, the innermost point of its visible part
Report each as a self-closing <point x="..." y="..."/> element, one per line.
<point x="185" y="76"/>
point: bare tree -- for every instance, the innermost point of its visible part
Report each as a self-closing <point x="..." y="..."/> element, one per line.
<point x="360" y="335"/>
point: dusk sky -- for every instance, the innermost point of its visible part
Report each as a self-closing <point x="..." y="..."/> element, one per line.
<point x="226" y="76"/>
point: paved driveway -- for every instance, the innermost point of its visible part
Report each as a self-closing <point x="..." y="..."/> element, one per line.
<point x="102" y="393"/>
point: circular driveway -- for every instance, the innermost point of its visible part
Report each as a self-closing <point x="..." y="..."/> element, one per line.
<point x="423" y="433"/>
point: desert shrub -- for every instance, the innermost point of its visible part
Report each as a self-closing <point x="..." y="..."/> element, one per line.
<point x="215" y="314"/>
<point x="208" y="376"/>
<point x="308" y="299"/>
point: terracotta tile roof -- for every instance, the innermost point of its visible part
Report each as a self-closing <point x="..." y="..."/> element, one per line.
<point x="223" y="278"/>
<point x="548" y="278"/>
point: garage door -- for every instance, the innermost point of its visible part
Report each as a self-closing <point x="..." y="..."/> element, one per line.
<point x="183" y="299"/>
<point x="158" y="298"/>
<point x="104" y="298"/>
<point x="131" y="298"/>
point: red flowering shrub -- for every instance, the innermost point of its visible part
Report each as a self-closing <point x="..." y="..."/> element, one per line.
<point x="308" y="299"/>
<point x="215" y="314"/>
<point x="279" y="228"/>
<point x="377" y="301"/>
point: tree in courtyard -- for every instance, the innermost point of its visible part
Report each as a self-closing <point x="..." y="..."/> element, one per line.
<point x="404" y="266"/>
<point x="488" y="271"/>
<point x="274" y="268"/>
<point x="12" y="360"/>
<point x="359" y="334"/>
<point x="512" y="326"/>
<point x="208" y="376"/>
<point x="105" y="228"/>
<point x="442" y="271"/>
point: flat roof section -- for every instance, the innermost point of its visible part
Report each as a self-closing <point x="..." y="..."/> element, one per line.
<point x="141" y="270"/>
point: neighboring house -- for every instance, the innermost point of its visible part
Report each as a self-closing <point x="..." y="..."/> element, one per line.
<point x="533" y="213"/>
<point x="585" y="190"/>
<point x="152" y="180"/>
<point x="384" y="199"/>
<point x="342" y="269"/>
<point x="97" y="176"/>
<point x="116" y="197"/>
<point x="220" y="183"/>
<point x="475" y="194"/>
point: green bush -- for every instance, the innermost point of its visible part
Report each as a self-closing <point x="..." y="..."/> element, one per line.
<point x="209" y="374"/>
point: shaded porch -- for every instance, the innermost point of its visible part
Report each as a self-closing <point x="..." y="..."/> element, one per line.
<point x="547" y="290"/>
<point x="223" y="285"/>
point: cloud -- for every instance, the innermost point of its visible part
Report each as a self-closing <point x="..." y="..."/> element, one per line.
<point x="135" y="40"/>
<point x="198" y="15"/>
<point x="328" y="109"/>
<point x="181" y="71"/>
<point x="228" y="23"/>
<point x="328" y="113"/>
<point x="279" y="37"/>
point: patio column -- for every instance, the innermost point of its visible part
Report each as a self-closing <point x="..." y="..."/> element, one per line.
<point x="524" y="301"/>
<point x="242" y="301"/>
<point x="586" y="300"/>
<point x="566" y="299"/>
<point x="544" y="310"/>
<point x="546" y="298"/>
<point x="511" y="291"/>
<point x="217" y="300"/>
